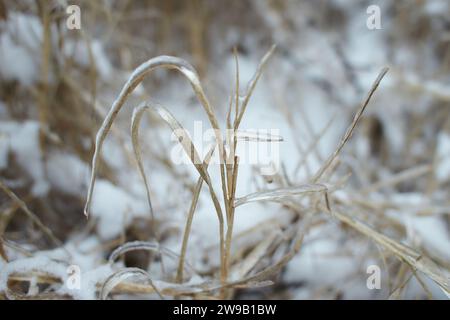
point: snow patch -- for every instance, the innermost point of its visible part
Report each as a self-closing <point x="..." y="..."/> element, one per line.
<point x="67" y="173"/>
<point x="115" y="208"/>
<point x="39" y="263"/>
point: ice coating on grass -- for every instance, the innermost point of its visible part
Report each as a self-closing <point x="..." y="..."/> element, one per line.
<point x="26" y="265"/>
<point x="67" y="172"/>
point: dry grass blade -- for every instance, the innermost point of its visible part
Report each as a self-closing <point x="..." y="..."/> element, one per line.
<point x="116" y="278"/>
<point x="187" y="229"/>
<point x="350" y="129"/>
<point x="137" y="77"/>
<point x="177" y="129"/>
<point x="190" y="218"/>
<point x="189" y="148"/>
<point x="31" y="215"/>
<point x="176" y="290"/>
<point x="143" y="245"/>
<point x="43" y="266"/>
<point x="404" y="253"/>
<point x="257" y="136"/>
<point x="405" y="175"/>
<point x="275" y="268"/>
<point x="149" y="246"/>
<point x="278" y="194"/>
<point x="313" y="145"/>
<point x="252" y="85"/>
<point x="181" y="134"/>
<point x="246" y="265"/>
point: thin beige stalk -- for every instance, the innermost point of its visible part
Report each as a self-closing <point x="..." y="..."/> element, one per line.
<point x="350" y="129"/>
<point x="190" y="218"/>
<point x="190" y="150"/>
<point x="135" y="79"/>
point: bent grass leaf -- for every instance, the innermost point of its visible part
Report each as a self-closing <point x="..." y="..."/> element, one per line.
<point x="278" y="194"/>
<point x="145" y="245"/>
<point x="113" y="280"/>
<point x="135" y="79"/>
<point x="190" y="218"/>
<point x="189" y="148"/>
<point x="257" y="136"/>
<point x="252" y="84"/>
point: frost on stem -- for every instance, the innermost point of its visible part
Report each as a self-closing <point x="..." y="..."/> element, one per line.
<point x="135" y="79"/>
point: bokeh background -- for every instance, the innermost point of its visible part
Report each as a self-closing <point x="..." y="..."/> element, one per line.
<point x="56" y="86"/>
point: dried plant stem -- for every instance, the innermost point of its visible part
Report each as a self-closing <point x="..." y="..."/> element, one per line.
<point x="313" y="145"/>
<point x="228" y="163"/>
<point x="405" y="175"/>
<point x="116" y="278"/>
<point x="350" y="129"/>
<point x="192" y="153"/>
<point x="252" y="85"/>
<point x="31" y="215"/>
<point x="404" y="253"/>
<point x="190" y="218"/>
<point x="232" y="159"/>
<point x="279" y="194"/>
<point x="135" y="79"/>
<point x="230" y="223"/>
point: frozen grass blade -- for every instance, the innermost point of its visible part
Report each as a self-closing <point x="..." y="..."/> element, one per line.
<point x="135" y="79"/>
<point x="120" y="276"/>
<point x="404" y="253"/>
<point x="189" y="148"/>
<point x="252" y="84"/>
<point x="181" y="134"/>
<point x="257" y="136"/>
<point x="313" y="145"/>
<point x="279" y="194"/>
<point x="136" y="118"/>
<point x="143" y="245"/>
<point x="149" y="246"/>
<point x="190" y="218"/>
<point x="250" y="261"/>
<point x="232" y="165"/>
<point x="350" y="129"/>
